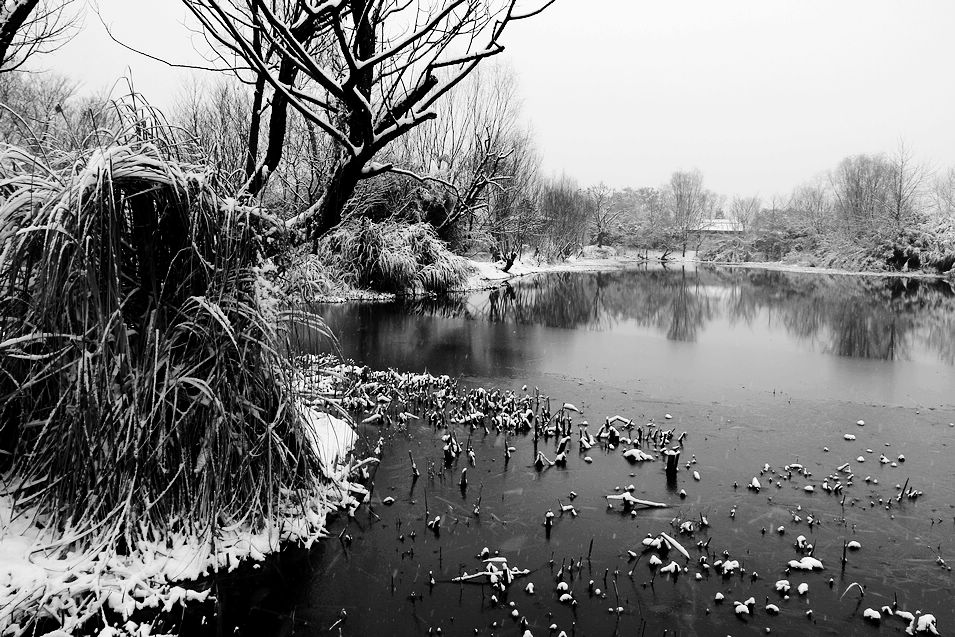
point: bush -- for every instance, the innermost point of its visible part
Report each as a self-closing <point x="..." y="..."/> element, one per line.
<point x="598" y="252"/>
<point x="727" y="250"/>
<point x="918" y="248"/>
<point x="776" y="235"/>
<point x="392" y="257"/>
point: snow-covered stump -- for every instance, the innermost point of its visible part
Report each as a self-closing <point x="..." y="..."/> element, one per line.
<point x="673" y="461"/>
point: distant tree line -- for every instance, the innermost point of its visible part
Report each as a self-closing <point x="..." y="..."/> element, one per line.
<point x="884" y="211"/>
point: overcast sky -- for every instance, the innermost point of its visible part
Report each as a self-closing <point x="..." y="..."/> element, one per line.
<point x="759" y="95"/>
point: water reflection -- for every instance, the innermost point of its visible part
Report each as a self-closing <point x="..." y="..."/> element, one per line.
<point x="859" y="317"/>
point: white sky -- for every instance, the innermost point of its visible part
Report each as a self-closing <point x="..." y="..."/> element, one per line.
<point x="758" y="94"/>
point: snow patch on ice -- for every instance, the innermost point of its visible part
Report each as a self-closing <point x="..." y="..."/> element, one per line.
<point x="331" y="438"/>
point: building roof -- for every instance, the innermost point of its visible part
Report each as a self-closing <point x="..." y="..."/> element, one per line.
<point x="720" y="225"/>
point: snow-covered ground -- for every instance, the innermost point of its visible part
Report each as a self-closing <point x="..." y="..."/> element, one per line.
<point x="487" y="274"/>
<point x="41" y="576"/>
<point x="331" y="438"/>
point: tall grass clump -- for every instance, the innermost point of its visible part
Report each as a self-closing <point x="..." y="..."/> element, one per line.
<point x="393" y="256"/>
<point x="142" y="387"/>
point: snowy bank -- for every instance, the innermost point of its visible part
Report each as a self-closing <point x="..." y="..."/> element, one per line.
<point x="491" y="274"/>
<point x="44" y="578"/>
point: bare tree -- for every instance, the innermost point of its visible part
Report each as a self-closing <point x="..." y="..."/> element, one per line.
<point x="743" y="211"/>
<point x="37" y="102"/>
<point x="906" y="180"/>
<point x="603" y="212"/>
<point x="643" y="217"/>
<point x="365" y="72"/>
<point x="606" y="211"/>
<point x="217" y="117"/>
<point x="33" y="26"/>
<point x="512" y="217"/>
<point x="653" y="227"/>
<point x="307" y="159"/>
<point x="813" y="203"/>
<point x="221" y="116"/>
<point x="942" y="196"/>
<point x="564" y="209"/>
<point x="713" y="204"/>
<point x="687" y="204"/>
<point x="44" y="113"/>
<point x="861" y="187"/>
<point x="468" y="144"/>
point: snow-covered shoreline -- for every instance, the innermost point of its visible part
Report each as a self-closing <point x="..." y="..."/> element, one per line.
<point x="41" y="577"/>
<point x="491" y="273"/>
<point x="487" y="274"/>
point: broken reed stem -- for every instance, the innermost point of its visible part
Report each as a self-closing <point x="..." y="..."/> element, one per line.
<point x="898" y="498"/>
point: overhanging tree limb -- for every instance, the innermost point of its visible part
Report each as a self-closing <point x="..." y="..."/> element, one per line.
<point x="32" y="26"/>
<point x="364" y="71"/>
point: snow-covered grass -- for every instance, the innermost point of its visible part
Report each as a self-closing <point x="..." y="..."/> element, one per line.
<point x="41" y="579"/>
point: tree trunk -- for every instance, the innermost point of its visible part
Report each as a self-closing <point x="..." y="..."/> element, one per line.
<point x="255" y="116"/>
<point x="361" y="129"/>
<point x="345" y="176"/>
<point x="339" y="189"/>
<point x="278" y="119"/>
<point x="278" y="124"/>
<point x="255" y="123"/>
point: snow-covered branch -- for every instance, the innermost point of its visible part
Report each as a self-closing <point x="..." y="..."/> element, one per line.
<point x="363" y="71"/>
<point x="33" y="26"/>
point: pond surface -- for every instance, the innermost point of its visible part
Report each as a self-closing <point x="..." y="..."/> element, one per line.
<point x="705" y="334"/>
<point x="758" y="367"/>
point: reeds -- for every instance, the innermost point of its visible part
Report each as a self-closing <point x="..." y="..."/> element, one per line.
<point x="142" y="386"/>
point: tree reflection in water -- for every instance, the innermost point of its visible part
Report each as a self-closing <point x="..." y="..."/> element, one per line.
<point x="854" y="316"/>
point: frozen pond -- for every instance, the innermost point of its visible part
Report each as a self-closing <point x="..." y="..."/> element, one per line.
<point x="759" y="368"/>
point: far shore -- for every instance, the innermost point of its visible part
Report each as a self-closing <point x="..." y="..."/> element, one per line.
<point x="792" y="267"/>
<point x="489" y="275"/>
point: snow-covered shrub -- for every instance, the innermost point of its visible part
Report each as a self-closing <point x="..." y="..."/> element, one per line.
<point x="392" y="256"/>
<point x="918" y="248"/>
<point x="599" y="252"/>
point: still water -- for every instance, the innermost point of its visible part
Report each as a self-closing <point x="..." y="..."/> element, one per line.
<point x="665" y="334"/>
<point x="758" y="367"/>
